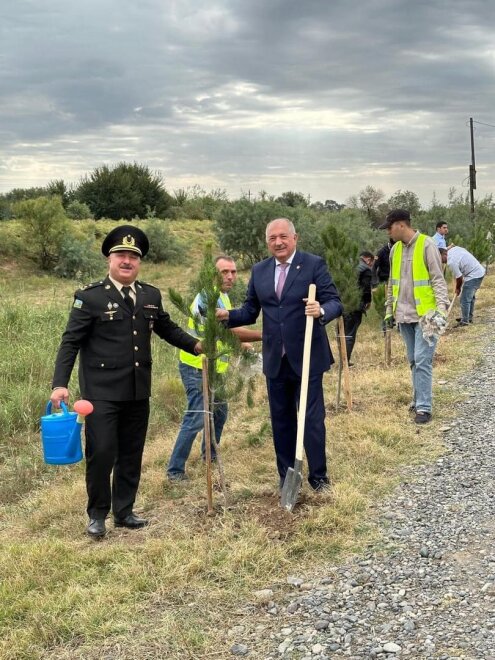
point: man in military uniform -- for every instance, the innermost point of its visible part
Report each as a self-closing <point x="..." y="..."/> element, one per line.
<point x="110" y="326"/>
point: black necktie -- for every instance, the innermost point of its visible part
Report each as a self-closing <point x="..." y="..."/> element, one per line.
<point x="126" y="290"/>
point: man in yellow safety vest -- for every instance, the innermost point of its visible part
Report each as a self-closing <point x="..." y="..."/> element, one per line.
<point x="416" y="289"/>
<point x="190" y="369"/>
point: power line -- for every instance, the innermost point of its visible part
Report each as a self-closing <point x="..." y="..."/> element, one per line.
<point x="483" y="123"/>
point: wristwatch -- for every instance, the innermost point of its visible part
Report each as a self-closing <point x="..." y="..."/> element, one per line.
<point x="322" y="312"/>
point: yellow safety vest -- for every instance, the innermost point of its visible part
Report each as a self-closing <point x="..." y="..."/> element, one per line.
<point x="196" y="361"/>
<point x="424" y="296"/>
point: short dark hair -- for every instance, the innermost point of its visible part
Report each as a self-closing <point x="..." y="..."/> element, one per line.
<point x="442" y="251"/>
<point x="441" y="223"/>
<point x="225" y="257"/>
<point x="398" y="215"/>
<point x="366" y="253"/>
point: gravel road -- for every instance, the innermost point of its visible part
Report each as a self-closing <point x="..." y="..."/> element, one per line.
<point x="429" y="591"/>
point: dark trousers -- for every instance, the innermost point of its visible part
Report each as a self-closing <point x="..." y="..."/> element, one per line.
<point x="352" y="321"/>
<point x="115" y="435"/>
<point x="283" y="397"/>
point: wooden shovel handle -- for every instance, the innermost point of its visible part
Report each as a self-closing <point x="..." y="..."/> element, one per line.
<point x="301" y="417"/>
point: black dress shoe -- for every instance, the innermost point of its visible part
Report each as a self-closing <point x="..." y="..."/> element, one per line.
<point x="96" y="528"/>
<point x="131" y="521"/>
<point x="320" y="485"/>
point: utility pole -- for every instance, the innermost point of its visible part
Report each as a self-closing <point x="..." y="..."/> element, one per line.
<point x="472" y="171"/>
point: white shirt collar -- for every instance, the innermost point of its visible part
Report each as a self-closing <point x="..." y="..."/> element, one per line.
<point x="289" y="260"/>
<point x="119" y="285"/>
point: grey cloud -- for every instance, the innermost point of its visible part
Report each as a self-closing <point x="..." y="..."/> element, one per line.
<point x="207" y="88"/>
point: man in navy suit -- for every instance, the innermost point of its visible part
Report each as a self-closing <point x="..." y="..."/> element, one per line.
<point x="279" y="287"/>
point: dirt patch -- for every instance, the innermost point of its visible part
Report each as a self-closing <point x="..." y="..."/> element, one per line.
<point x="266" y="510"/>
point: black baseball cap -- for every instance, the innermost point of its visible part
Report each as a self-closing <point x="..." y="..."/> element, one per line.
<point x="397" y="215"/>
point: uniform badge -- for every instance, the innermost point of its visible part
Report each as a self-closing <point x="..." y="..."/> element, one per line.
<point x="107" y="286"/>
<point x="115" y="305"/>
<point x="78" y="303"/>
<point x="109" y="306"/>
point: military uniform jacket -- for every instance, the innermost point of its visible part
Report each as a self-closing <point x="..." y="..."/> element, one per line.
<point x="114" y="344"/>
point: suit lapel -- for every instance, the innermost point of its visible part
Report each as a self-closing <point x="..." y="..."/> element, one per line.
<point x="294" y="270"/>
<point x="269" y="277"/>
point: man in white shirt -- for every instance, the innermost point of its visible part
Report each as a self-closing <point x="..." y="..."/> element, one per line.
<point x="469" y="274"/>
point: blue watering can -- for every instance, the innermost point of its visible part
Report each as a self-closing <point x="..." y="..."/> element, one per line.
<point x="61" y="436"/>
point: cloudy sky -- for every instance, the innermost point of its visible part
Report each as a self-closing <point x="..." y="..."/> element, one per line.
<point x="318" y="96"/>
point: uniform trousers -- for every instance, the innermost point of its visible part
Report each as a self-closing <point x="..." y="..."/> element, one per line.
<point x="283" y="396"/>
<point x="115" y="436"/>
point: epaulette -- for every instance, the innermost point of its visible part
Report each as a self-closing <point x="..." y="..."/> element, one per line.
<point x="140" y="283"/>
<point x="91" y="286"/>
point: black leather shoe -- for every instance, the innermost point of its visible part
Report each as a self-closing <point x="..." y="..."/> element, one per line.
<point x="320" y="485"/>
<point x="131" y="521"/>
<point x="96" y="528"/>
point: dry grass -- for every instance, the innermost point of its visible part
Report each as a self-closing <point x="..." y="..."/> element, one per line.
<point x="175" y="588"/>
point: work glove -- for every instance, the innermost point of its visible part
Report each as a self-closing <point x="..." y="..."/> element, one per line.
<point x="439" y="319"/>
<point x="433" y="325"/>
<point x="389" y="322"/>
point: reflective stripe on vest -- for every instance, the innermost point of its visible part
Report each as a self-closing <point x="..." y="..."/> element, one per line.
<point x="424" y="296"/>
<point x="196" y="361"/>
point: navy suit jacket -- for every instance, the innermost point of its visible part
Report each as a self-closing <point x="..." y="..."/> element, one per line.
<point x="284" y="320"/>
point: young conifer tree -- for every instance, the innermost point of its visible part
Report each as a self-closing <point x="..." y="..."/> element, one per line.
<point x="342" y="258"/>
<point x="216" y="339"/>
<point x="480" y="245"/>
<point x="342" y="255"/>
<point x="379" y="301"/>
<point x="217" y="342"/>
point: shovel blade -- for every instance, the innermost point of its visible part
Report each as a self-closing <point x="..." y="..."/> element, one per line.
<point x="292" y="486"/>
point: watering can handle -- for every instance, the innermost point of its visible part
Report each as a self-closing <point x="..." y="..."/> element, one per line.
<point x="49" y="408"/>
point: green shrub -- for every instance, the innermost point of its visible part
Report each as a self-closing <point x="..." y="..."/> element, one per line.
<point x="44" y="227"/>
<point x="78" y="211"/>
<point x="11" y="239"/>
<point x="163" y="244"/>
<point x="79" y="260"/>
<point x="240" y="228"/>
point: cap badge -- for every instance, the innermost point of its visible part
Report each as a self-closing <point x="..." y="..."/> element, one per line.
<point x="129" y="241"/>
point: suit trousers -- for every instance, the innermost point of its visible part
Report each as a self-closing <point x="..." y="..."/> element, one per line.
<point x="283" y="396"/>
<point x="115" y="436"/>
